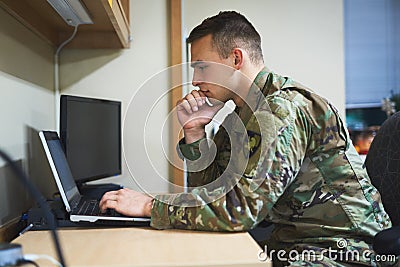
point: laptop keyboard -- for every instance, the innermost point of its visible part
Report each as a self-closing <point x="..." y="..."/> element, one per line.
<point x="91" y="208"/>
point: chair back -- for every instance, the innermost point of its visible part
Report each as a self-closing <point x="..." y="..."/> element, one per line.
<point x="383" y="165"/>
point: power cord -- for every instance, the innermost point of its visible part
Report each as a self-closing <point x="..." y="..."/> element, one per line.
<point x="56" y="75"/>
<point x="24" y="262"/>
<point x="35" y="257"/>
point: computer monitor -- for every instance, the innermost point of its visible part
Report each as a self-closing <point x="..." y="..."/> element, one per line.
<point x="90" y="133"/>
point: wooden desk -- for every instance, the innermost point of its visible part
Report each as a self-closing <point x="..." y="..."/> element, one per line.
<point x="145" y="247"/>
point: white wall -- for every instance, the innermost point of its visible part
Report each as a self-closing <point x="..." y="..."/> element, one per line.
<point x="22" y="104"/>
<point x="26" y="102"/>
<point x="119" y="74"/>
<point x="300" y="39"/>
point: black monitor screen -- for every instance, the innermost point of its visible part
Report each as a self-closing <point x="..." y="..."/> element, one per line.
<point x="90" y="131"/>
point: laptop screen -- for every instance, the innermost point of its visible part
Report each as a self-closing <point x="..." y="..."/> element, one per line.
<point x="60" y="168"/>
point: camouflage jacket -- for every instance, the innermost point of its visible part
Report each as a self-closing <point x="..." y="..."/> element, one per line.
<point x="285" y="157"/>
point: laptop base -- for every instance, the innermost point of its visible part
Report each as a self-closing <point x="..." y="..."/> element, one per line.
<point x="37" y="218"/>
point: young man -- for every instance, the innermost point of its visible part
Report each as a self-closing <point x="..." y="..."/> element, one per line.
<point x="284" y="155"/>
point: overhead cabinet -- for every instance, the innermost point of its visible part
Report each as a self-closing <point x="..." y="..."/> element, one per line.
<point x="109" y="30"/>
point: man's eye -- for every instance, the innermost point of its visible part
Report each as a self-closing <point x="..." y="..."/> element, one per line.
<point x="202" y="67"/>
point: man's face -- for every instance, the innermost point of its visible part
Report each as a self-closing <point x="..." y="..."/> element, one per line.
<point x="212" y="74"/>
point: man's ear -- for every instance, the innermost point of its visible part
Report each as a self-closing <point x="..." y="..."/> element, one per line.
<point x="238" y="58"/>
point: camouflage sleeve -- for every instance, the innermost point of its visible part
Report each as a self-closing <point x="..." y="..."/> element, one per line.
<point x="189" y="151"/>
<point x="276" y="144"/>
<point x="204" y="161"/>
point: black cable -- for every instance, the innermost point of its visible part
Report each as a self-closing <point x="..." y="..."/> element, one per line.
<point x="40" y="201"/>
<point x="23" y="262"/>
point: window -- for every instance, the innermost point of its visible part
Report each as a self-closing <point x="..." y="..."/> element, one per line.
<point x="372" y="51"/>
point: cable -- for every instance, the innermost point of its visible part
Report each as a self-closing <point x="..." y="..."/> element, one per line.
<point x="56" y="76"/>
<point x="24" y="261"/>
<point x="39" y="199"/>
<point x="34" y="257"/>
<point x="67" y="41"/>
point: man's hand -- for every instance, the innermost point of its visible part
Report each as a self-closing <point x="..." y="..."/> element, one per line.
<point x="194" y="114"/>
<point x="127" y="202"/>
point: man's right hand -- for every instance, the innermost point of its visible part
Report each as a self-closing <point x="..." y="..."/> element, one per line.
<point x="194" y="114"/>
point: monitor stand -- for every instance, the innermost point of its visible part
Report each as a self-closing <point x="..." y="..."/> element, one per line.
<point x="96" y="191"/>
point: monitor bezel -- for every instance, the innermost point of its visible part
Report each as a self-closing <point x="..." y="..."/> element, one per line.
<point x="64" y="99"/>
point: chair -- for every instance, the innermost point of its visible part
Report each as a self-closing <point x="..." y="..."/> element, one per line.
<point x="383" y="167"/>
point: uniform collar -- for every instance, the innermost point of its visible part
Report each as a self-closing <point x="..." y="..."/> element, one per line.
<point x="259" y="89"/>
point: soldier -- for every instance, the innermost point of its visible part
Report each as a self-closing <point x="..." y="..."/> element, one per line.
<point x="284" y="155"/>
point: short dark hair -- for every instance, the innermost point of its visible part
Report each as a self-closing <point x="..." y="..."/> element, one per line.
<point x="230" y="29"/>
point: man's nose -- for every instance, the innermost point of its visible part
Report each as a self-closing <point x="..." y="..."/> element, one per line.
<point x="196" y="81"/>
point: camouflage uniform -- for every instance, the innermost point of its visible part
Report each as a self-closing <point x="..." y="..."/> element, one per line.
<point x="301" y="173"/>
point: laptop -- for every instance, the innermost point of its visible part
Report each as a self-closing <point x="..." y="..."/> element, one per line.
<point x="80" y="208"/>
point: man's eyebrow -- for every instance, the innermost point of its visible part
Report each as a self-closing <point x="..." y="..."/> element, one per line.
<point x="194" y="64"/>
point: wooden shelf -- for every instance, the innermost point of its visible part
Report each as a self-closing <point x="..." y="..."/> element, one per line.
<point x="110" y="28"/>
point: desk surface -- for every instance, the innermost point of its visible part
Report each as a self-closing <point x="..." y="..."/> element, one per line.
<point x="145" y="247"/>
